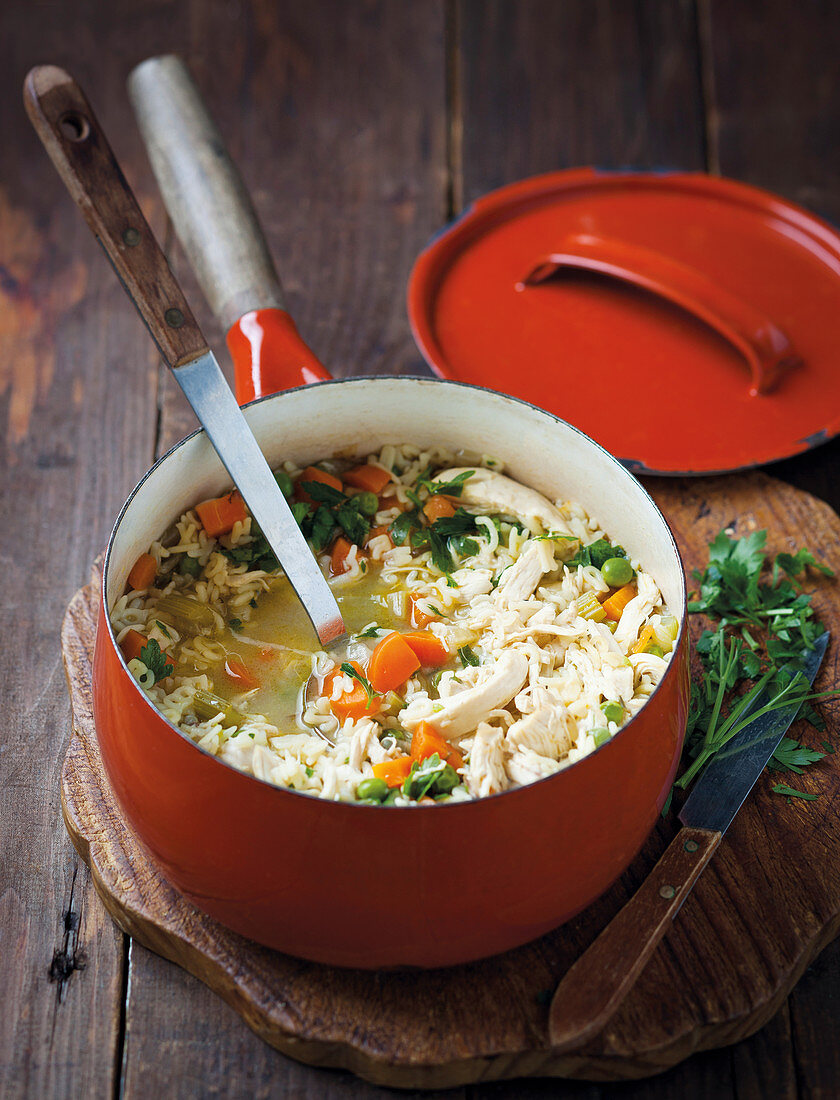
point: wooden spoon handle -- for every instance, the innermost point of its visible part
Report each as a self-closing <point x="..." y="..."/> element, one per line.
<point x="203" y="191"/>
<point x="65" y="123"/>
<point x="595" y="986"/>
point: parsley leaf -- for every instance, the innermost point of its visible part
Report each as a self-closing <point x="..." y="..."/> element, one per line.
<point x="348" y="669"/>
<point x="323" y="494"/>
<point x="791" y="792"/>
<point x="467" y="656"/>
<point x="354" y="525"/>
<point x="156" y="660"/>
<point x="430" y="777"/>
<point x="452" y="488"/>
<point x="235" y="625"/>
<point x="792" y="756"/>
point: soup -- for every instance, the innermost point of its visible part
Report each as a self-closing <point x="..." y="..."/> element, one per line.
<point x="495" y="636"/>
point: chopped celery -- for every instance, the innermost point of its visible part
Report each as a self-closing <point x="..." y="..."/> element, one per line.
<point x="207" y="706"/>
<point x="613" y="711"/>
<point x="588" y="607"/>
<point x="600" y="735"/>
<point x="188" y="615"/>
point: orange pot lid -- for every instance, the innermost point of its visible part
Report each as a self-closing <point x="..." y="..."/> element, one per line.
<point x="688" y="323"/>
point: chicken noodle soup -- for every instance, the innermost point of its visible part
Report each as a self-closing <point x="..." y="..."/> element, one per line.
<point x="495" y="637"/>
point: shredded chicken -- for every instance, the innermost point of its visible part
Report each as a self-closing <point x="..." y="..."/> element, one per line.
<point x="493" y="493"/>
<point x="486" y="772"/>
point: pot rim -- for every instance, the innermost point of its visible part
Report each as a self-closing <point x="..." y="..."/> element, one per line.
<point x="364" y="380"/>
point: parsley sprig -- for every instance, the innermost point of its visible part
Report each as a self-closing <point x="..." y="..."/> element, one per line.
<point x="348" y="669"/>
<point x="752" y="660"/>
<point x="156" y="661"/>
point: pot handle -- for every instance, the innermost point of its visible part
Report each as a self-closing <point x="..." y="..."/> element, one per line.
<point x="762" y="343"/>
<point x="216" y="223"/>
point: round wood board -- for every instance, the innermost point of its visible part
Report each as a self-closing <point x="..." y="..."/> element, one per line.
<point x="766" y="905"/>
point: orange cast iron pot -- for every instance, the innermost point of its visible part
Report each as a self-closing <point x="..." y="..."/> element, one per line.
<point x="365" y="886"/>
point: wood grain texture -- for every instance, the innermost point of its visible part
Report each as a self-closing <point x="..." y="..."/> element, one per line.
<point x="727" y="963"/>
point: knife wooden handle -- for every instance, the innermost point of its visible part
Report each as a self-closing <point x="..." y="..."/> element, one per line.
<point x="598" y="982"/>
<point x="203" y="191"/>
<point x="66" y="124"/>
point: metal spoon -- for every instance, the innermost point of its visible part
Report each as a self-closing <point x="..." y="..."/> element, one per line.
<point x="65" y="123"/>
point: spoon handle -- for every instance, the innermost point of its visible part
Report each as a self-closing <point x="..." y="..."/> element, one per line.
<point x="73" y="138"/>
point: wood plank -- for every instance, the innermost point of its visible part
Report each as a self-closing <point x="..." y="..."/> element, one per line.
<point x="541" y="86"/>
<point x="77" y="401"/>
<point x="347" y="176"/>
<point x="772" y="76"/>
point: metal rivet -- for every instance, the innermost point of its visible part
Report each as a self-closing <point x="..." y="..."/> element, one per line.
<point x="131" y="237"/>
<point x="174" y="318"/>
<point x="691" y="845"/>
<point x="667" y="892"/>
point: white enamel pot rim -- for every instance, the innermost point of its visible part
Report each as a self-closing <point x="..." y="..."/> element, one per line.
<point x="310" y="422"/>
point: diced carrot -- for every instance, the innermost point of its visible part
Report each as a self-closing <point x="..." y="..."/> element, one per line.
<point x="394" y="772"/>
<point x="132" y="644"/>
<point x="430" y="650"/>
<point x="240" y="675"/>
<point x="391" y="663"/>
<point x="350" y="704"/>
<point x="142" y="572"/>
<point x="375" y="532"/>
<point x="418" y="617"/>
<point x="438" y="507"/>
<point x="312" y="473"/>
<point x="426" y="741"/>
<point x="644" y="640"/>
<point x="338" y="555"/>
<point x="219" y="515"/>
<point x="373" y="479"/>
<point x="615" y="604"/>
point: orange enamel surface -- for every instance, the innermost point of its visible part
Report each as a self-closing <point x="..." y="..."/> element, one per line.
<point x="330" y="881"/>
<point x="269" y="355"/>
<point x="663" y="388"/>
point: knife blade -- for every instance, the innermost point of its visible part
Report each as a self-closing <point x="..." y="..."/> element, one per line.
<point x="595" y="986"/>
<point x="732" y="772"/>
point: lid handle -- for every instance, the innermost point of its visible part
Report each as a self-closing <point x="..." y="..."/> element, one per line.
<point x="762" y="343"/>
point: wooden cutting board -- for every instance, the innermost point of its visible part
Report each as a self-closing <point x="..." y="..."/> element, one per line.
<point x="766" y="905"/>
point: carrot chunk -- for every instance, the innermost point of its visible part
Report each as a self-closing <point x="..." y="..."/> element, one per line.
<point x="350" y="704"/>
<point x="219" y="515"/>
<point x="394" y="772"/>
<point x="132" y="644"/>
<point x="339" y="554"/>
<point x="375" y="532"/>
<point x="431" y="651"/>
<point x="426" y="741"/>
<point x="371" y="478"/>
<point x="240" y="674"/>
<point x="417" y="617"/>
<point x="312" y="473"/>
<point x="142" y="572"/>
<point x="615" y="604"/>
<point x="645" y="638"/>
<point x="391" y="663"/>
<point x="438" y="507"/>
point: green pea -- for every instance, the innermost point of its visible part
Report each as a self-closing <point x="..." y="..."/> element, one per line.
<point x="284" y="482"/>
<point x="374" y="789"/>
<point x="367" y="503"/>
<point x="617" y="572"/>
<point x="613" y="711"/>
<point x="655" y="650"/>
<point x="190" y="567"/>
<point x="600" y="734"/>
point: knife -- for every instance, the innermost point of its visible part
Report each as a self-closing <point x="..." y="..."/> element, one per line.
<point x="66" y="124"/>
<point x="594" y="987"/>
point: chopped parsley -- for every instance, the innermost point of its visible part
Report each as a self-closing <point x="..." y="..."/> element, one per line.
<point x="332" y="512"/>
<point x="348" y="669"/>
<point x="162" y="627"/>
<point x="452" y="488"/>
<point x="431" y="777"/>
<point x="235" y="625"/>
<point x="596" y="553"/>
<point x="156" y="660"/>
<point x="467" y="656"/>
<point x="791" y="792"/>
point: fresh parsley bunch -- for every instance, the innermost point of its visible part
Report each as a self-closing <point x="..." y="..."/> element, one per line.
<point x="753" y="658"/>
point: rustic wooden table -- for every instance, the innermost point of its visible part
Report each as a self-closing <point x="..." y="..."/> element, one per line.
<point x="361" y="127"/>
